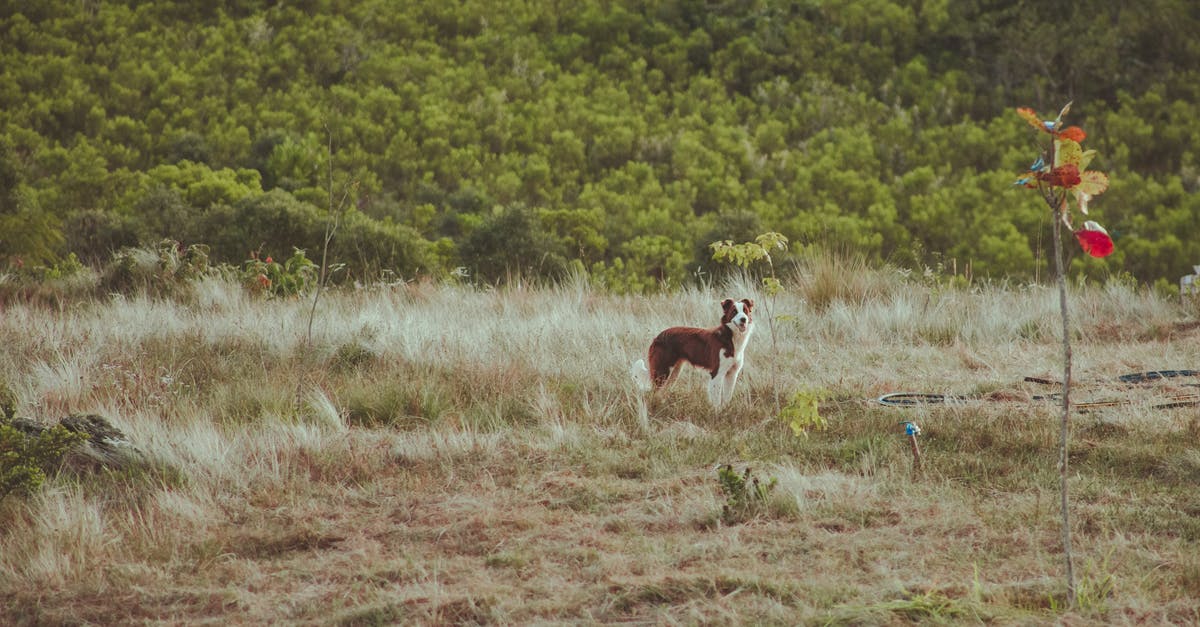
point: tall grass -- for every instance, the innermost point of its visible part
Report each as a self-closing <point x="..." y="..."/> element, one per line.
<point x="447" y="454"/>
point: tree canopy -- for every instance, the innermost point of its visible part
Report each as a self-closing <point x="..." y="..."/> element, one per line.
<point x="618" y="137"/>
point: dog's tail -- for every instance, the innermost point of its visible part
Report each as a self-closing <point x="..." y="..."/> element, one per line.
<point x="641" y="375"/>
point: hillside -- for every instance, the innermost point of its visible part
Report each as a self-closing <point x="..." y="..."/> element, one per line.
<point x="616" y="138"/>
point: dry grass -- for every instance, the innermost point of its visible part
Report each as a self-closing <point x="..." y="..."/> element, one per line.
<point x="447" y="455"/>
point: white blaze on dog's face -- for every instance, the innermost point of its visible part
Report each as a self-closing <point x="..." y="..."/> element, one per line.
<point x="737" y="314"/>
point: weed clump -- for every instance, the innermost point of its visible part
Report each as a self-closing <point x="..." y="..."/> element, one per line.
<point x="352" y="356"/>
<point x="170" y="269"/>
<point x="745" y="496"/>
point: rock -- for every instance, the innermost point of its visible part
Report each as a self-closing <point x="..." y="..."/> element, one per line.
<point x="105" y="447"/>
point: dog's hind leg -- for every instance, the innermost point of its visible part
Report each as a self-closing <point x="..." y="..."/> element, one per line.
<point x="674" y="374"/>
<point x="660" y="376"/>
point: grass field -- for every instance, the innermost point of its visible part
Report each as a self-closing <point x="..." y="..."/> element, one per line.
<point x="440" y="454"/>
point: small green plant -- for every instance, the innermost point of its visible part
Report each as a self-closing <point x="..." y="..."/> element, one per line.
<point x="292" y="277"/>
<point x="747" y="253"/>
<point x="745" y="496"/>
<point x="802" y="413"/>
<point x="1095" y="587"/>
<point x="26" y="459"/>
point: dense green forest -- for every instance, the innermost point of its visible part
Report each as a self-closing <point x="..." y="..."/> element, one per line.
<point x="618" y="137"/>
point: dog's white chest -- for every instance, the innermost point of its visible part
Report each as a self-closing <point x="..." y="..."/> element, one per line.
<point x="730" y="364"/>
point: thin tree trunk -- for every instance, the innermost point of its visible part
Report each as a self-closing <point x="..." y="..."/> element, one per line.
<point x="1064" y="435"/>
<point x="331" y="224"/>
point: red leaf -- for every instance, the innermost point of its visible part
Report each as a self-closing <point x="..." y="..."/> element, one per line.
<point x="1094" y="240"/>
<point x="1066" y="176"/>
<point x="1073" y="133"/>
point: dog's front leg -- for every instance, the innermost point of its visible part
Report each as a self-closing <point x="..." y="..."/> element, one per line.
<point x="716" y="391"/>
<point x="731" y="378"/>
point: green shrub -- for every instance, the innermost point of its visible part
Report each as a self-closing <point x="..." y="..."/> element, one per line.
<point x="96" y="235"/>
<point x="646" y="264"/>
<point x="293" y="277"/>
<point x="27" y="454"/>
<point x="274" y="221"/>
<point x="512" y="243"/>
<point x="368" y="247"/>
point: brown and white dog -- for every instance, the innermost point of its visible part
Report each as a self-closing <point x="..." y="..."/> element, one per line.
<point x="720" y="350"/>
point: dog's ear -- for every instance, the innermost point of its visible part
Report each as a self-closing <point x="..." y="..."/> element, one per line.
<point x="726" y="304"/>
<point x="749" y="304"/>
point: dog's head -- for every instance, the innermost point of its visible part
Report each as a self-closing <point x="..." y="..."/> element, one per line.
<point x="737" y="314"/>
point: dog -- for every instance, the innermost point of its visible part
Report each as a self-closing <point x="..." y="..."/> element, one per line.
<point x="720" y="350"/>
